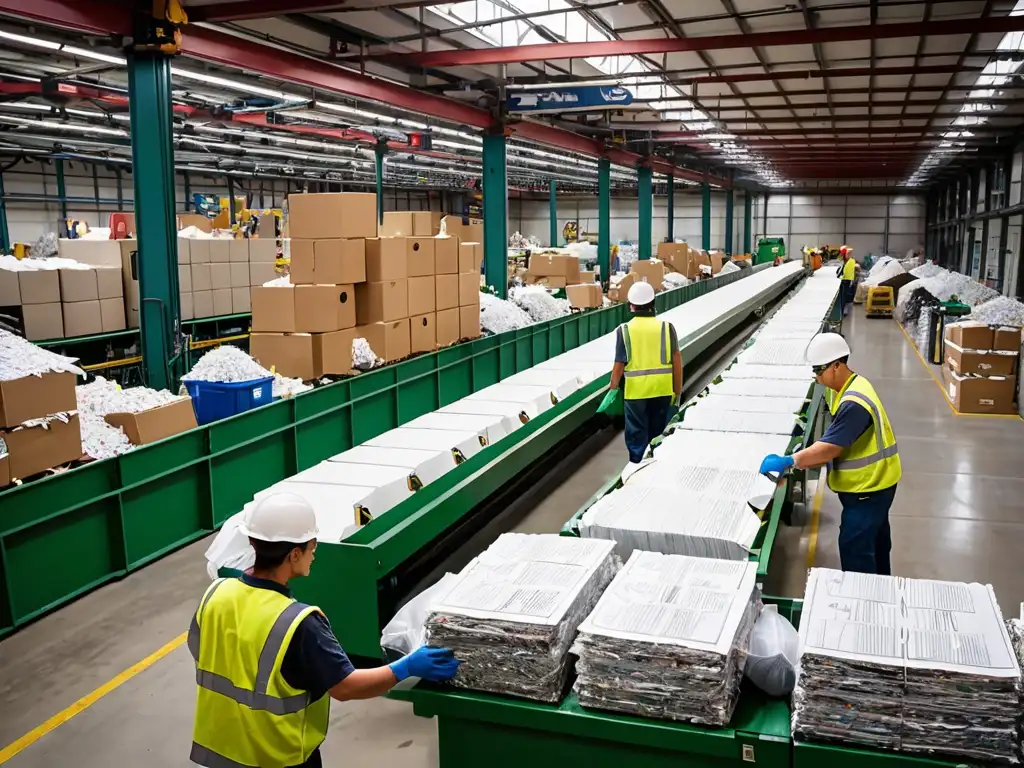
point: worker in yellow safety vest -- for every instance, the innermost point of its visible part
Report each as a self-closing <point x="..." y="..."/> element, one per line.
<point x="859" y="449"/>
<point x="268" y="666"/>
<point x="647" y="357"/>
<point x="848" y="275"/>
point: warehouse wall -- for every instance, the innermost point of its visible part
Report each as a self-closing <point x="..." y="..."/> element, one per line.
<point x="875" y="224"/>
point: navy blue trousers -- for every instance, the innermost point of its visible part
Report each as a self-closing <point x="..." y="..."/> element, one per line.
<point x="645" y="420"/>
<point x="864" y="537"/>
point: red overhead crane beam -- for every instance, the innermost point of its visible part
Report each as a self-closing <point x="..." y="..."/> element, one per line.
<point x="260" y="9"/>
<point x="559" y="51"/>
<point x="817" y="74"/>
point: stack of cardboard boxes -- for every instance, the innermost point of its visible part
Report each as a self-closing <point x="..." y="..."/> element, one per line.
<point x="553" y="270"/>
<point x="66" y="302"/>
<point x="411" y="224"/>
<point x="471" y="257"/>
<point x="215" y="275"/>
<point x="980" y="365"/>
<point x="679" y="257"/>
<point x="49" y="442"/>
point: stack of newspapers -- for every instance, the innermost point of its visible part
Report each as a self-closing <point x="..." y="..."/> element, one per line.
<point x="510" y="616"/>
<point x="912" y="665"/>
<point x="668" y="639"/>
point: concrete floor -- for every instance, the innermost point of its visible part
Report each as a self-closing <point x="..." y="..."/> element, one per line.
<point x="959" y="514"/>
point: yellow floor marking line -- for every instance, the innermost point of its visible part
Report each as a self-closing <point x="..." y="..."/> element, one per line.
<point x="88" y="700"/>
<point x="942" y="389"/>
<point x="812" y="540"/>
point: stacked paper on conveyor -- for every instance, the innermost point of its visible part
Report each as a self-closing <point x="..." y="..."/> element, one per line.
<point x="712" y="449"/>
<point x="512" y="613"/>
<point x="912" y="665"/>
<point x="749" y="403"/>
<point x="725" y="481"/>
<point x="757" y="371"/>
<point x="673" y="522"/>
<point x="668" y="639"/>
<point x="714" y="420"/>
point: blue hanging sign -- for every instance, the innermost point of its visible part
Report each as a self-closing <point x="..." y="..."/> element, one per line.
<point x="568" y="99"/>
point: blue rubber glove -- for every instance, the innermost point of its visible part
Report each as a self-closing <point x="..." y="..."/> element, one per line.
<point x="773" y="463"/>
<point x="609" y="400"/>
<point x="434" y="664"/>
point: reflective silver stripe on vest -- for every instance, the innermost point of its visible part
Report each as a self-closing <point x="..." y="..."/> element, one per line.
<point x="881" y="453"/>
<point x="274" y="645"/>
<point x="666" y="356"/>
<point x="648" y="372"/>
<point x="203" y="756"/>
<point x="624" y="330"/>
<point x="260" y="702"/>
<point x="193" y="627"/>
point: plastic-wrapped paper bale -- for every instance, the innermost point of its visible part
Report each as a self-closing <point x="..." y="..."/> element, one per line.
<point x="512" y="613"/>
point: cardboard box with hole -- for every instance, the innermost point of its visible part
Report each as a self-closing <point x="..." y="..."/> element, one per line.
<point x="43" y="321"/>
<point x="323" y="216"/>
<point x="273" y="309"/>
<point x="35" y="449"/>
<point x="385" y="301"/>
<point x="422" y="295"/>
<point x="446" y="255"/>
<point x="389" y="341"/>
<point x="469" y="322"/>
<point x="980" y="394"/>
<point x="33" y="397"/>
<point x="423" y="333"/>
<point x="419" y="253"/>
<point x="328" y="262"/>
<point x="324" y="308"/>
<point x="386" y="259"/>
<point x="39" y="286"/>
<point x="446" y="326"/>
<point x="157" y="423"/>
<point x="446" y="292"/>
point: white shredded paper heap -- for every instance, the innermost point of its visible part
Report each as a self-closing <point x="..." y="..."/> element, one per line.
<point x="20" y="358"/>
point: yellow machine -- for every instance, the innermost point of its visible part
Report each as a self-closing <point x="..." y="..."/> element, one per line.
<point x="880" y="302"/>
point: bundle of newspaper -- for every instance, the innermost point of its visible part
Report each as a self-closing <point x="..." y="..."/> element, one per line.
<point x="912" y="665"/>
<point x="668" y="639"/>
<point x="512" y="613"/>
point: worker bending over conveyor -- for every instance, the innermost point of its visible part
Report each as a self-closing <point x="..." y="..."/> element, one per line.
<point x="268" y="666"/>
<point x="859" y="449"/>
<point x="647" y="356"/>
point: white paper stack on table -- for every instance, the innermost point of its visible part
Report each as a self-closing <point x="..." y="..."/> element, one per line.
<point x="511" y="615"/>
<point x="911" y="665"/>
<point x="668" y="639"/>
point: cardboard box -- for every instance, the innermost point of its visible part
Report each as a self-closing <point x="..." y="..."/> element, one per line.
<point x="35" y="449"/>
<point x="970" y="335"/>
<point x="185" y="278"/>
<point x="587" y="276"/>
<point x="202" y="277"/>
<point x="471" y="257"/>
<point x="422" y="333"/>
<point x="718" y="261"/>
<point x="43" y="321"/>
<point x="469" y="289"/>
<point x="649" y="271"/>
<point x="39" y="287"/>
<point x="263" y="250"/>
<point x="324" y="308"/>
<point x="385" y="301"/>
<point x="620" y="292"/>
<point x="109" y="284"/>
<point x="584" y="296"/>
<point x="221" y="301"/>
<point x="572" y="270"/>
<point x="446" y="292"/>
<point x="220" y="250"/>
<point x="199" y="251"/>
<point x="202" y="304"/>
<point x="549" y="282"/>
<point x="446" y="256"/>
<point x="422" y="296"/>
<point x="328" y="262"/>
<point x="386" y="259"/>
<point x="336" y="351"/>
<point x="1006" y="338"/>
<point x="238" y="251"/>
<point x="982" y="363"/>
<point x="95" y="253"/>
<point x="419" y="253"/>
<point x="186" y="306"/>
<point x="676" y="256"/>
<point x="220" y="275"/>
<point x="388" y="340"/>
<point x="548" y="265"/>
<point x="446" y="322"/>
<point x="112" y="314"/>
<point x="333" y="214"/>
<point x="238" y="274"/>
<point x="261" y="272"/>
<point x="78" y="285"/>
<point x="980" y="394"/>
<point x="197" y="220"/>
<point x="273" y="309"/>
<point x="10" y="290"/>
<point x="184" y="251"/>
<point x="241" y="301"/>
<point x="32" y="397"/>
<point x="469" y="322"/>
<point x="157" y="423"/>
<point x="410" y="224"/>
<point x="295" y="355"/>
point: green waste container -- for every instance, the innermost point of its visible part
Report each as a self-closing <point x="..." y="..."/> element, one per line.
<point x="769" y="249"/>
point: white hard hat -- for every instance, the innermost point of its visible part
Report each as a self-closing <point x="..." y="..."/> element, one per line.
<point x="826" y="348"/>
<point x="280" y="517"/>
<point x="640" y="294"/>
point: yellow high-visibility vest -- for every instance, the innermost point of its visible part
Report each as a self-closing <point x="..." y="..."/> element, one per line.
<point x="648" y="343"/>
<point x="849" y="269"/>
<point x="872" y="463"/>
<point x="246" y="713"/>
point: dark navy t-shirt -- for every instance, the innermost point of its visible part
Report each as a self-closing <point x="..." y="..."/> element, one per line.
<point x="314" y="661"/>
<point x="850" y="422"/>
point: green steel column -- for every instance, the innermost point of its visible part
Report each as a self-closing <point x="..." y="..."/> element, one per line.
<point x="553" y="212"/>
<point x="149" y="100"/>
<point x="5" y="235"/>
<point x="670" y="234"/>
<point x="495" y="189"/>
<point x="705" y="214"/>
<point x="62" y="192"/>
<point x="379" y="166"/>
<point x="728" y="222"/>
<point x="748" y="211"/>
<point x="645" y="210"/>
<point x="604" y="219"/>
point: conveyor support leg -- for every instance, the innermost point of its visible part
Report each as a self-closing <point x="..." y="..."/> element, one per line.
<point x="553" y="212"/>
<point x="670" y="233"/>
<point x="495" y="215"/>
<point x="604" y="218"/>
<point x="748" y="210"/>
<point x="645" y="210"/>
<point x="728" y="221"/>
<point x="705" y="214"/>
